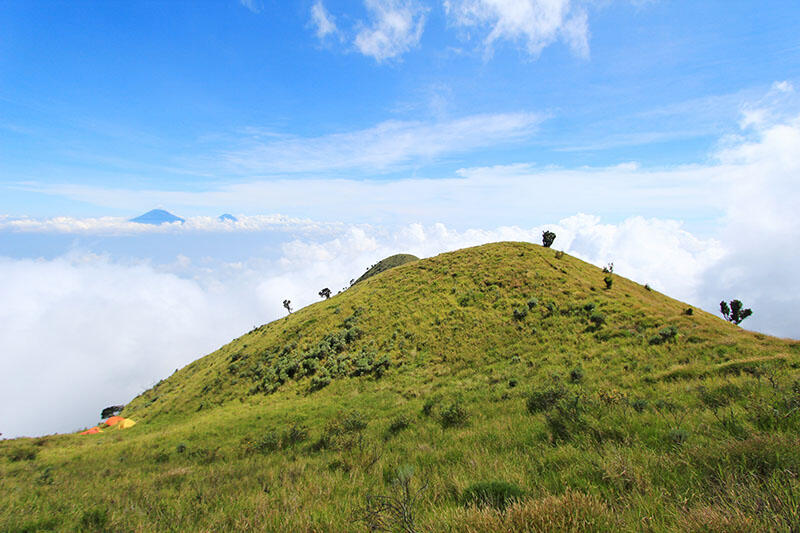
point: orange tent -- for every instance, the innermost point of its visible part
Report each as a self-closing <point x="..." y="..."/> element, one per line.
<point x="92" y="431"/>
<point x="114" y="420"/>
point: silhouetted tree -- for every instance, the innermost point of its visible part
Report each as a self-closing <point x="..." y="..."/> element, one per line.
<point x="288" y="305"/>
<point x="325" y="293"/>
<point x="609" y="271"/>
<point x="734" y="312"/>
<point x="547" y="238"/>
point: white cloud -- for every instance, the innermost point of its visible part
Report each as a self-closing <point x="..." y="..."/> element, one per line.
<point x="535" y="23"/>
<point x="383" y="147"/>
<point x="322" y="20"/>
<point x="395" y="28"/>
<point x="81" y="332"/>
<point x="761" y="227"/>
<point x="121" y="226"/>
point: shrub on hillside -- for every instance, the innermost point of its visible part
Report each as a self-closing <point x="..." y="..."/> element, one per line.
<point x="453" y="415"/>
<point x="639" y="405"/>
<point x="398" y="424"/>
<point x="532" y="302"/>
<point x="520" y="312"/>
<point x="547" y="238"/>
<point x="496" y="494"/>
<point x="343" y="431"/>
<point x="677" y="436"/>
<point x="734" y="311"/>
<point x="539" y="400"/>
<point x="294" y="435"/>
<point x="21" y="453"/>
<point x="597" y="319"/>
<point x="564" y="419"/>
<point x="576" y="375"/>
<point x="666" y="334"/>
<point x="320" y="381"/>
<point x="269" y="442"/>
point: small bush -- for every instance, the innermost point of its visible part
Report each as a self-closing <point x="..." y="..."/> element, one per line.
<point x="453" y="415"/>
<point x="269" y="442"/>
<point x="320" y="381"/>
<point x="548" y="237"/>
<point x="597" y="319"/>
<point x="609" y="281"/>
<point x="295" y="435"/>
<point x="688" y="311"/>
<point x="543" y="399"/>
<point x="429" y="406"/>
<point x="22" y="453"/>
<point x="398" y="424"/>
<point x="639" y="405"/>
<point x="496" y="494"/>
<point x="520" y="312"/>
<point x="532" y="302"/>
<point x="512" y="383"/>
<point x="576" y="375"/>
<point x="352" y="422"/>
<point x="559" y="254"/>
<point x="677" y="436"/>
<point x="465" y="299"/>
<point x="647" y="287"/>
<point x="589" y="307"/>
<point x="666" y="334"/>
<point x="94" y="520"/>
<point x="564" y="420"/>
<point x="352" y="334"/>
<point x="45" y="477"/>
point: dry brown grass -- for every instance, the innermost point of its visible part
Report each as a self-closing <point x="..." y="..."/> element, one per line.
<point x="571" y="511"/>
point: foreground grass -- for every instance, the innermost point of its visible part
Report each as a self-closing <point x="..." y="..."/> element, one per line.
<point x="597" y="425"/>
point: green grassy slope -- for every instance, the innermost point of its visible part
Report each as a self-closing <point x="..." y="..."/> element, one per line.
<point x="599" y="408"/>
<point x="385" y="264"/>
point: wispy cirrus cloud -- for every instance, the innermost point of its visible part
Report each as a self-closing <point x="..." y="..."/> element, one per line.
<point x="380" y="148"/>
<point x="535" y="24"/>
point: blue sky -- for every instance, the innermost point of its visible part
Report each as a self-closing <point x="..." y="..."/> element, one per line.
<point x="663" y="136"/>
<point x="181" y="96"/>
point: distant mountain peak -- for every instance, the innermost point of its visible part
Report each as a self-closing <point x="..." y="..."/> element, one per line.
<point x="156" y="217"/>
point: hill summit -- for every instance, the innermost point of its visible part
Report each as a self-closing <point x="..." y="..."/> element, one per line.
<point x="506" y="387"/>
<point x="385" y="264"/>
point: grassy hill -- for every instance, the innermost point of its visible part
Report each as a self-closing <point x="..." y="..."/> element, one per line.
<point x="385" y="264"/>
<point x="496" y="388"/>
